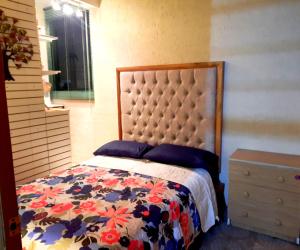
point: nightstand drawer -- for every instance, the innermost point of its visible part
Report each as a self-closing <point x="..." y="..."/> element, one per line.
<point x="271" y="200"/>
<point x="279" y="178"/>
<point x="260" y="219"/>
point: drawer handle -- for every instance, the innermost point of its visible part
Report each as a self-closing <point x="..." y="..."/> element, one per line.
<point x="245" y="214"/>
<point x="246" y="172"/>
<point x="278" y="222"/>
<point x="279" y="201"/>
<point x="281" y="179"/>
<point x="246" y="194"/>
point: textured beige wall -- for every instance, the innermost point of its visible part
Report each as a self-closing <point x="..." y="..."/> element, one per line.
<point x="259" y="40"/>
<point x="129" y="33"/>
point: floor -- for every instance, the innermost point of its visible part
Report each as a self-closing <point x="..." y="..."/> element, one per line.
<point x="223" y="237"/>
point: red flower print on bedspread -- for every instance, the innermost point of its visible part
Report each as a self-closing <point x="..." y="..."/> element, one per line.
<point x="155" y="199"/>
<point x="38" y="204"/>
<point x="175" y="210"/>
<point x="76" y="170"/>
<point x="92" y="179"/>
<point x="61" y="207"/>
<point x="89" y="207"/>
<point x="26" y="189"/>
<point x="136" y="245"/>
<point x="110" y="182"/>
<point x="156" y="188"/>
<point x="94" y="175"/>
<point x="184" y="223"/>
<point x="50" y="193"/>
<point x="110" y="237"/>
<point x="131" y="182"/>
<point x="116" y="216"/>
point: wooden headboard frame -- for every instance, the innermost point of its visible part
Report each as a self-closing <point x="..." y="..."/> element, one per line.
<point x="219" y="65"/>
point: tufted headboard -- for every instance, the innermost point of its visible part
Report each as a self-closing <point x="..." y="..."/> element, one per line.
<point x="179" y="104"/>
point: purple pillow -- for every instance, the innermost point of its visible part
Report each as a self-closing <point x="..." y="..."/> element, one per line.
<point x="129" y="149"/>
<point x="187" y="157"/>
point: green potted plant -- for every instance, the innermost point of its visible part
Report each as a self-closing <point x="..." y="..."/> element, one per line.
<point x="14" y="43"/>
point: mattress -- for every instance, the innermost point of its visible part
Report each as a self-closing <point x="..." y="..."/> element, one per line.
<point x="117" y="203"/>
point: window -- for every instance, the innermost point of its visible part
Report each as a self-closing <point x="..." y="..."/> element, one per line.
<point x="71" y="54"/>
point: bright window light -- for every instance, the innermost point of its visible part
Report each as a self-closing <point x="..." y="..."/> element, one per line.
<point x="55" y="5"/>
<point x="67" y="10"/>
<point x="79" y="13"/>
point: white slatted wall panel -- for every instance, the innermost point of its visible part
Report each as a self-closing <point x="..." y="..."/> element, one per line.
<point x="27" y="116"/>
<point x="58" y="134"/>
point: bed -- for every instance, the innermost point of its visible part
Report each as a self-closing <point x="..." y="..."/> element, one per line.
<point x="109" y="202"/>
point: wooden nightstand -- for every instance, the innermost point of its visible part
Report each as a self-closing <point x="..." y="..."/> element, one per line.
<point x="264" y="193"/>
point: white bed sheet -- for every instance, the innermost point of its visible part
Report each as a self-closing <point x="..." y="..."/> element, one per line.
<point x="198" y="181"/>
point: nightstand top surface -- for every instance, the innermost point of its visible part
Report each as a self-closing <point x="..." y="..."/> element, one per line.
<point x="266" y="157"/>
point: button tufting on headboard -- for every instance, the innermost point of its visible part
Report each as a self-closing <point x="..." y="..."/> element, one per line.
<point x="172" y="105"/>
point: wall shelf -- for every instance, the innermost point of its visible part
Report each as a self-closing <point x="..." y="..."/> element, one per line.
<point x="47" y="38"/>
<point x="50" y="72"/>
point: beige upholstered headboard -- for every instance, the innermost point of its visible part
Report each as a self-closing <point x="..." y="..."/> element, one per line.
<point x="178" y="104"/>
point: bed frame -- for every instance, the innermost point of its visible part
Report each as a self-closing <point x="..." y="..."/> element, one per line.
<point x="178" y="103"/>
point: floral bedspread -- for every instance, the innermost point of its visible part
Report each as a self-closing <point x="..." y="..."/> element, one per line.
<point x="88" y="207"/>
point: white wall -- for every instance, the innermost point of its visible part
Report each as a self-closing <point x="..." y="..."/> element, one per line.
<point x="259" y="40"/>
